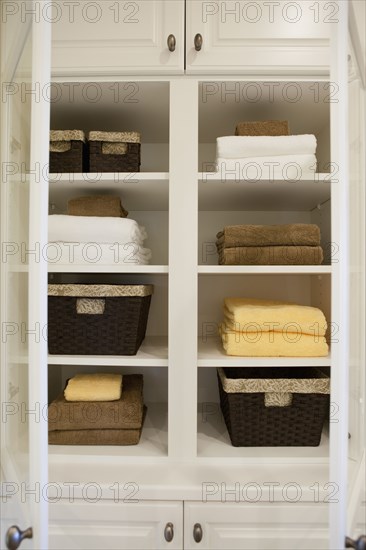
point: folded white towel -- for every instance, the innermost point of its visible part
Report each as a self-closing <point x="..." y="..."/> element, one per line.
<point x="231" y="147"/>
<point x="86" y="229"/>
<point x="291" y="167"/>
<point x="90" y="253"/>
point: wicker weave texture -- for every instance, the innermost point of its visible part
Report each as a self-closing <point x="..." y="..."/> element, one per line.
<point x="129" y="162"/>
<point x="120" y="330"/>
<point x="73" y="160"/>
<point x="251" y="424"/>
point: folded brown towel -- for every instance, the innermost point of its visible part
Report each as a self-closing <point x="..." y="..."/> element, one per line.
<point x="98" y="205"/>
<point x="271" y="255"/>
<point x="263" y="128"/>
<point x="94" y="437"/>
<point x="126" y="413"/>
<point x="294" y="234"/>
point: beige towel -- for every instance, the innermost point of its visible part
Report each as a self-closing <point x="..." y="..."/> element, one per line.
<point x="293" y="234"/>
<point x="125" y="413"/>
<point x="271" y="255"/>
<point x="97" y="205"/>
<point x="94" y="387"/>
<point x="272" y="344"/>
<point x="251" y="315"/>
<point x="263" y="128"/>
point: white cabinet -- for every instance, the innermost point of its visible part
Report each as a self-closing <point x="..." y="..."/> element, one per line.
<point x="114" y="37"/>
<point x="231" y="37"/>
<point x="183" y="205"/>
<point x="187" y="525"/>
<point x="255" y="526"/>
<point x="116" y="525"/>
<point x="259" y="37"/>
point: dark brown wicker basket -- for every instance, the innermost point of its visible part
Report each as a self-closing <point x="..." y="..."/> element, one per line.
<point x="120" y="330"/>
<point x="73" y="160"/>
<point x="251" y="424"/>
<point x="99" y="161"/>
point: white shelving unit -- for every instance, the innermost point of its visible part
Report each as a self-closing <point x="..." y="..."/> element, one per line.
<point x="213" y="200"/>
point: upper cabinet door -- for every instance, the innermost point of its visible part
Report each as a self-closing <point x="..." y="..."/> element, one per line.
<point x="115" y="37"/>
<point x="238" y="37"/>
<point x="25" y="79"/>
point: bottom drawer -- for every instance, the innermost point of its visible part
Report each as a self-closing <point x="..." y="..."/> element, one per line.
<point x="114" y="525"/>
<point x="248" y="526"/>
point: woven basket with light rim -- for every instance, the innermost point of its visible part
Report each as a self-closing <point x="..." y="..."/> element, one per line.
<point x="272" y="406"/>
<point x="97" y="319"/>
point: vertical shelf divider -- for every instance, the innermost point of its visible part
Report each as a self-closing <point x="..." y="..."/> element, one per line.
<point x="183" y="232"/>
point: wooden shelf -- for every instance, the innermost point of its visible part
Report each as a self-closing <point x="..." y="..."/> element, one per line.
<point x="140" y="190"/>
<point x="211" y="354"/>
<point x="215" y="193"/>
<point x="264" y="269"/>
<point x="114" y="268"/>
<point x="152" y="353"/>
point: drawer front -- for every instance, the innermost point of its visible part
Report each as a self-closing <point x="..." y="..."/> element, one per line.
<point x="241" y="526"/>
<point x="116" y="37"/>
<point x="241" y="37"/>
<point x="114" y="525"/>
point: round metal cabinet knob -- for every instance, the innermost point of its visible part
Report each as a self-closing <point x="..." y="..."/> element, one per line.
<point x="197" y="532"/>
<point x="14" y="536"/>
<point x="169" y="532"/>
<point x="171" y="42"/>
<point x="359" y="544"/>
<point x="198" y="41"/>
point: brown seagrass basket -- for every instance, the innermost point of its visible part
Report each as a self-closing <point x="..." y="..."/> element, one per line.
<point x="268" y="406"/>
<point x="97" y="319"/>
<point x="114" y="151"/>
<point x="68" y="151"/>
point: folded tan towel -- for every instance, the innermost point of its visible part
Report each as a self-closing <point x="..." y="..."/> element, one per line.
<point x="94" y="387"/>
<point x="292" y="234"/>
<point x="97" y="205"/>
<point x="126" y="413"/>
<point x="263" y="128"/>
<point x="251" y="315"/>
<point x="271" y="255"/>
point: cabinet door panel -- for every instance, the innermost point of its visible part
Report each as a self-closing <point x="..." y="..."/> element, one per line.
<point x="117" y="37"/>
<point x="114" y="525"/>
<point x="241" y="526"/>
<point x="259" y="37"/>
<point x="24" y="143"/>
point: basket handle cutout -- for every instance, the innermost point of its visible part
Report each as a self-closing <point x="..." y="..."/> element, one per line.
<point x="90" y="306"/>
<point x="277" y="399"/>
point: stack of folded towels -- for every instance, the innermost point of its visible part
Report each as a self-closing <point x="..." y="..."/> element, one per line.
<point x="291" y="244"/>
<point x="98" y="409"/>
<point x="96" y="230"/>
<point x="263" y="150"/>
<point x="267" y="328"/>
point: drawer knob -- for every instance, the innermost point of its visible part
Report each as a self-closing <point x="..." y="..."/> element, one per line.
<point x="171" y="42"/>
<point x="169" y="532"/>
<point x="14" y="536"/>
<point x="198" y="41"/>
<point x="359" y="544"/>
<point x="197" y="532"/>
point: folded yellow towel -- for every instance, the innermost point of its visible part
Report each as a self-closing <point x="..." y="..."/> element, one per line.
<point x="250" y="315"/>
<point x="94" y="387"/>
<point x="272" y="344"/>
